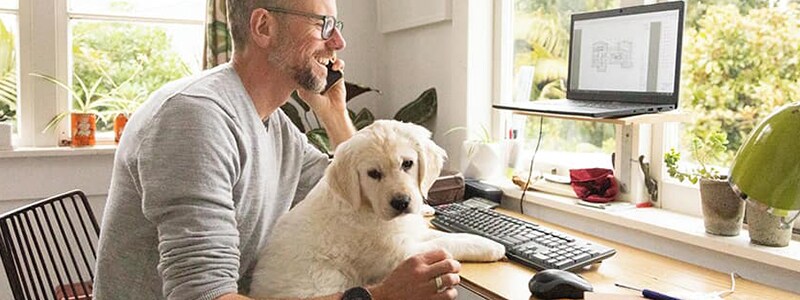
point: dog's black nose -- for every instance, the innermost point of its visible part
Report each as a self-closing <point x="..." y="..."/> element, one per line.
<point x="400" y="202"/>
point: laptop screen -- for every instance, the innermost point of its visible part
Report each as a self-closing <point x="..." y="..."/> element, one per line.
<point x="630" y="54"/>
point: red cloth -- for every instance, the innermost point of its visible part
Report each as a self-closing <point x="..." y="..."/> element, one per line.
<point x="594" y="185"/>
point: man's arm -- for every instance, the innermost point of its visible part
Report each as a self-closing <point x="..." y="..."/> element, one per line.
<point x="414" y="278"/>
<point x="331" y="108"/>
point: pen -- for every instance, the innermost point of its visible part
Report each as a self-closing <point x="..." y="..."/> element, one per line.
<point x="649" y="294"/>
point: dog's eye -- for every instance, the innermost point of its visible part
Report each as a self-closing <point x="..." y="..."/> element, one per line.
<point x="407" y="164"/>
<point x="375" y="174"/>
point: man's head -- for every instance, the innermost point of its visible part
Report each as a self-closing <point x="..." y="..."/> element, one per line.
<point x="297" y="37"/>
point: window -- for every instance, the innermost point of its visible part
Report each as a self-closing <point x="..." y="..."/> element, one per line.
<point x="740" y="62"/>
<point x="540" y="33"/>
<point x="126" y="48"/>
<point x="8" y="61"/>
<point x="131" y="48"/>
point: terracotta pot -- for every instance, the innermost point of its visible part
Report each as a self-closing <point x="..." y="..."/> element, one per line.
<point x="84" y="126"/>
<point x="119" y="126"/>
<point x="723" y="210"/>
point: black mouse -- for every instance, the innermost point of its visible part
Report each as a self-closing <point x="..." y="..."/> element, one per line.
<point x="555" y="284"/>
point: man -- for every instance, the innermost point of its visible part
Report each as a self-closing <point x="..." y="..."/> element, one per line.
<point x="209" y="163"/>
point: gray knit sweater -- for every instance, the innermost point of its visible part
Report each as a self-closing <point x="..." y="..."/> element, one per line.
<point x="198" y="182"/>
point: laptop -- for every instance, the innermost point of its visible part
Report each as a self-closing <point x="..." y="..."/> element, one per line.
<point x="622" y="62"/>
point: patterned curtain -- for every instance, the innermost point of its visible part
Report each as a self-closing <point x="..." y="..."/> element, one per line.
<point x="218" y="40"/>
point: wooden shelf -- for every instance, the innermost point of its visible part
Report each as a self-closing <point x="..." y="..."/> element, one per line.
<point x="652" y="118"/>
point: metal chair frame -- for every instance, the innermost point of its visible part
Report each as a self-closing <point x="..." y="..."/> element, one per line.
<point x="43" y="251"/>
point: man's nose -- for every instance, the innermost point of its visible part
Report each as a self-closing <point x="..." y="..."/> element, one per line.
<point x="336" y="42"/>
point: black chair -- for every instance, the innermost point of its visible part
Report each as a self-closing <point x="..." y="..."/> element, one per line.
<point x="48" y="248"/>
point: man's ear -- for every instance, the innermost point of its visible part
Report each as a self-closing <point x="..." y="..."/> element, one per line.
<point x="342" y="176"/>
<point x="262" y="27"/>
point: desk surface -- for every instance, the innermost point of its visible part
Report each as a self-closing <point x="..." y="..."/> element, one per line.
<point x="629" y="266"/>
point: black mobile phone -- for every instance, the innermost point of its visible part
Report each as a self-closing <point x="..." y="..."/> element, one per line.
<point x="333" y="77"/>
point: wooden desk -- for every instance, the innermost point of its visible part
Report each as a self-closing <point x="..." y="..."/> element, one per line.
<point x="634" y="267"/>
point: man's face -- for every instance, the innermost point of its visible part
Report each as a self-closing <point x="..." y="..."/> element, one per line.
<point x="300" y="50"/>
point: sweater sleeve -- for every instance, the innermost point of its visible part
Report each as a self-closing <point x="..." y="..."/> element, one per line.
<point x="188" y="165"/>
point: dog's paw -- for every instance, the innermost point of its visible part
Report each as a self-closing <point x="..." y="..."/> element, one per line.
<point x="496" y="251"/>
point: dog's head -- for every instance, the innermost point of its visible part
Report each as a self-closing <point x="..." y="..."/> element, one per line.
<point x="389" y="166"/>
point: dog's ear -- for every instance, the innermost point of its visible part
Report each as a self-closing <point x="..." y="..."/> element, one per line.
<point x="431" y="159"/>
<point x="342" y="175"/>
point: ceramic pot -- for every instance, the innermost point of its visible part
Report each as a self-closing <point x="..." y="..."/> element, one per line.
<point x="119" y="125"/>
<point x="482" y="160"/>
<point x="765" y="228"/>
<point x="84" y="126"/>
<point x="723" y="210"/>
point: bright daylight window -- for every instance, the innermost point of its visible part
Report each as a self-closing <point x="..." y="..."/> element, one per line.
<point x="541" y="45"/>
<point x="8" y="62"/>
<point x="740" y="62"/>
<point x="129" y="48"/>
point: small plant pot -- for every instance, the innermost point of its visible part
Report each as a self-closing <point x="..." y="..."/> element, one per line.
<point x="765" y="228"/>
<point x="84" y="126"/>
<point x="723" y="210"/>
<point x="119" y="125"/>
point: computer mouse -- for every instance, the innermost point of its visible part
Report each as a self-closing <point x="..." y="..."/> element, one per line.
<point x="556" y="284"/>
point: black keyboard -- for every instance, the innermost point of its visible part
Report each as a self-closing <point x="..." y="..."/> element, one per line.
<point x="525" y="242"/>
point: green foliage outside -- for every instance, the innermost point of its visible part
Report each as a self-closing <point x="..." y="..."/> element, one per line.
<point x="8" y="76"/>
<point x="738" y="66"/>
<point x="541" y="39"/>
<point x="740" y="62"/>
<point x="130" y="60"/>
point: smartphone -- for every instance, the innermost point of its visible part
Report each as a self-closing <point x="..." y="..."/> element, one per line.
<point x="333" y="77"/>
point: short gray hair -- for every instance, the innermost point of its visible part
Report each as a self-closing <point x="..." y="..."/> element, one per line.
<point x="239" y="16"/>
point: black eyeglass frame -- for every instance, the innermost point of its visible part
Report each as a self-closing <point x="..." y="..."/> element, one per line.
<point x="328" y="22"/>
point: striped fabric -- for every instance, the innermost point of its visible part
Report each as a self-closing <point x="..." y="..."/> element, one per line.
<point x="218" y="44"/>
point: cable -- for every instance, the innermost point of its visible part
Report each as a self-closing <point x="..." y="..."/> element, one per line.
<point x="530" y="171"/>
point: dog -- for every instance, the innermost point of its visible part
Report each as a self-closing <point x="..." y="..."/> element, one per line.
<point x="363" y="218"/>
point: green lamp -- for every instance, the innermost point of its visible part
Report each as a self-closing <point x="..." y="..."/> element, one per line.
<point x="766" y="169"/>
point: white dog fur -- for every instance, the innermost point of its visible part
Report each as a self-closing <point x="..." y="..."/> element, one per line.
<point x="346" y="232"/>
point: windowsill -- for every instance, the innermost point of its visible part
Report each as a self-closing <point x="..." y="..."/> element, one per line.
<point x="677" y="227"/>
<point x="27" y="152"/>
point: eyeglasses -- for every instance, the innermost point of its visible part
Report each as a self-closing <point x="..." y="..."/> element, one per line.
<point x="328" y="22"/>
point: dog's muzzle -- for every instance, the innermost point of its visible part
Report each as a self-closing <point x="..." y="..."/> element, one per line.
<point x="400" y="202"/>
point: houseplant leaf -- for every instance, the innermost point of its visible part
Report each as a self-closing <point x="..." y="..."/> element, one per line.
<point x="293" y="115"/>
<point x="319" y="138"/>
<point x="420" y="110"/>
<point x="363" y="119"/>
<point x="354" y="89"/>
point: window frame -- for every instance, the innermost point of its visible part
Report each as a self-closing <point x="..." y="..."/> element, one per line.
<point x="44" y="46"/>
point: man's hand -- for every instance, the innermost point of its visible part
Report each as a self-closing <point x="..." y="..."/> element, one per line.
<point x="415" y="278"/>
<point x="331" y="108"/>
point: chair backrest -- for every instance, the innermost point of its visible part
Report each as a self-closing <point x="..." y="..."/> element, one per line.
<point x="48" y="248"/>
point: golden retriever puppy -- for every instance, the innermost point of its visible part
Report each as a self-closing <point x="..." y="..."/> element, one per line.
<point x="362" y="219"/>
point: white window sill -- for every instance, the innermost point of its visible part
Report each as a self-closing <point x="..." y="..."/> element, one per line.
<point x="677" y="227"/>
<point x="26" y="152"/>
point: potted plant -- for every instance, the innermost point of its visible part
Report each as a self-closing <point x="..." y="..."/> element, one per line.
<point x="87" y="106"/>
<point x="723" y="210"/>
<point x="418" y="112"/>
<point x="482" y="158"/>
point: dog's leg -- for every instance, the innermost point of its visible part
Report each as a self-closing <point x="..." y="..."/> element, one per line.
<point x="463" y="246"/>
